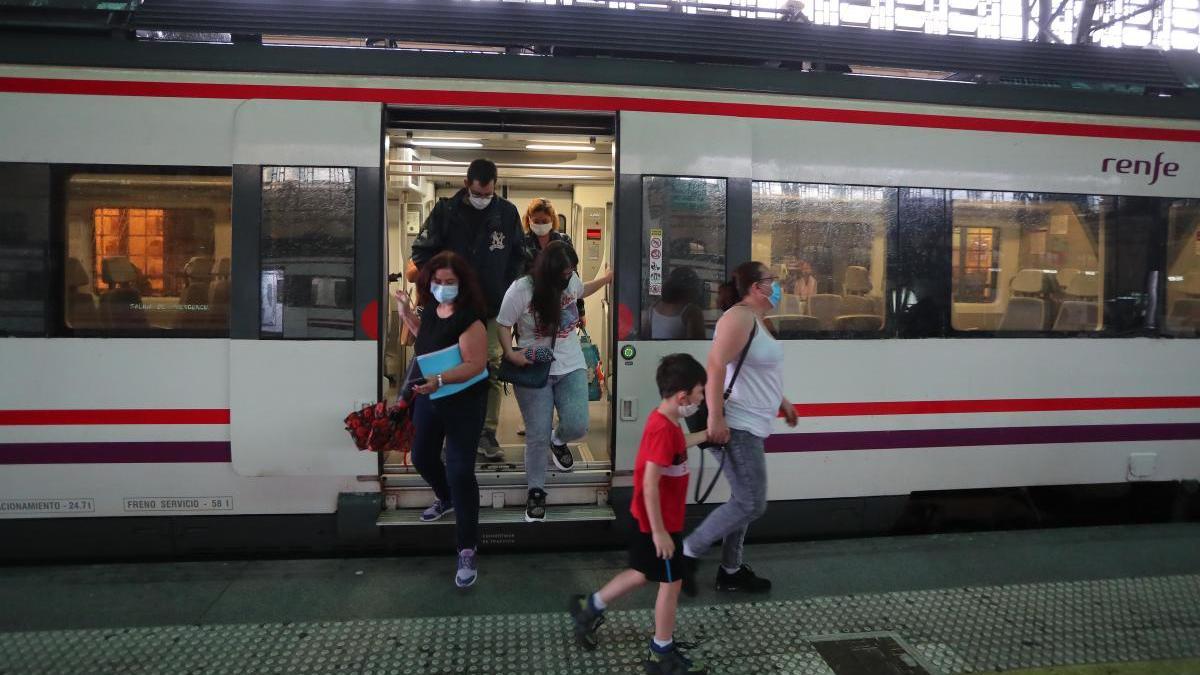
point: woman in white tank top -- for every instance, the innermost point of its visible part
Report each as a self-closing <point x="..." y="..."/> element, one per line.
<point x="741" y="423"/>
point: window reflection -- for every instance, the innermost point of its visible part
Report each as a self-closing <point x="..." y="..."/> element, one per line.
<point x="147" y="252"/>
<point x="24" y="233"/>
<point x="684" y="252"/>
<point x="828" y="245"/>
<point x="1029" y="262"/>
<point x="1183" y="269"/>
<point x="308" y="252"/>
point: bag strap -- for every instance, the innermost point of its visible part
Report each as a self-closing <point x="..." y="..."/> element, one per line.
<point x="741" y="359"/>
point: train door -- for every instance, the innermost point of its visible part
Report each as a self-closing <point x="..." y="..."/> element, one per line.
<point x="567" y="160"/>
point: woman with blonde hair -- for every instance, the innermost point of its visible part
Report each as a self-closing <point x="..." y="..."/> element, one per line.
<point x="541" y="228"/>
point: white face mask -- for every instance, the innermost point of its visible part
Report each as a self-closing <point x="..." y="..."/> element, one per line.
<point x="689" y="409"/>
<point x="540" y="229"/>
<point x="480" y="203"/>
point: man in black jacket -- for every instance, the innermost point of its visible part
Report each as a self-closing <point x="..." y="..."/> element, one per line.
<point x="486" y="230"/>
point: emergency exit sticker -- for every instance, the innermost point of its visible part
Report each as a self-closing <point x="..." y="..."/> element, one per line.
<point x="656" y="261"/>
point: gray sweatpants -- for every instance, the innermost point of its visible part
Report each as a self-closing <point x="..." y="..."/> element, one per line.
<point x="746" y="471"/>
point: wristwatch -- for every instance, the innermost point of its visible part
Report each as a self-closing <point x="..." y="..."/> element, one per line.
<point x="440" y="383"/>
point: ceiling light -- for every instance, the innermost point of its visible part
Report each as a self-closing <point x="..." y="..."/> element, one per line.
<point x="560" y="148"/>
<point x="441" y="143"/>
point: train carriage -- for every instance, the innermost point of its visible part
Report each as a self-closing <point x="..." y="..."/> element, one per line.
<point x="1004" y="284"/>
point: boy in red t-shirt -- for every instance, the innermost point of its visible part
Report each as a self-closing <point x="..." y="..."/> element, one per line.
<point x="660" y="479"/>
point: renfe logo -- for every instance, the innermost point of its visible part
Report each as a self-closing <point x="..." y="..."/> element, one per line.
<point x="1141" y="167"/>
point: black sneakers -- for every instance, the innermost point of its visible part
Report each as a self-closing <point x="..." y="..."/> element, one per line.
<point x="489" y="447"/>
<point x="743" y="580"/>
<point x="535" y="506"/>
<point x="562" y="457"/>
<point x="673" y="662"/>
<point x="587" y="620"/>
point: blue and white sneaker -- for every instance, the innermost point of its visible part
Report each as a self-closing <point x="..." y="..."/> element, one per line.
<point x="468" y="570"/>
<point x="436" y="511"/>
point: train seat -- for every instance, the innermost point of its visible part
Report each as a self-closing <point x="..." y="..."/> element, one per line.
<point x="790" y="304"/>
<point x="826" y="307"/>
<point x="1084" y="286"/>
<point x="1184" y="316"/>
<point x="858" y="322"/>
<point x="857" y="304"/>
<point x="120" y="305"/>
<point x="1077" y="315"/>
<point x="218" y="296"/>
<point x="790" y="324"/>
<point x="1024" y="314"/>
<point x="1065" y="276"/>
<point x="856" y="281"/>
<point x="80" y="303"/>
<point x="193" y="300"/>
<point x="1029" y="282"/>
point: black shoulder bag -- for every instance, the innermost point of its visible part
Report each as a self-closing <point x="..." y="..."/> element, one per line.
<point x="534" y="375"/>
<point x="699" y="422"/>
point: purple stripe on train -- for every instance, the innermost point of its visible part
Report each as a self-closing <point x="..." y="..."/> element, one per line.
<point x="115" y="452"/>
<point x="949" y="438"/>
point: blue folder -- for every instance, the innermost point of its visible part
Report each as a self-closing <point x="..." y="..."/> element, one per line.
<point x="439" y="362"/>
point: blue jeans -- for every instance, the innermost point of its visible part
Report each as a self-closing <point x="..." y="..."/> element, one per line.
<point x="569" y="394"/>
<point x="456" y="422"/>
<point x="746" y="472"/>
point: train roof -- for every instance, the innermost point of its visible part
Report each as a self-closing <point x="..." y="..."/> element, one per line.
<point x="598" y="45"/>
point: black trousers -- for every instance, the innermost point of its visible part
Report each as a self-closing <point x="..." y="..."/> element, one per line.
<point x="456" y="422"/>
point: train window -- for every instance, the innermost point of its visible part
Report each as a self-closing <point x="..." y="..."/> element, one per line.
<point x="307" y="252"/>
<point x="684" y="250"/>
<point x="1183" y="269"/>
<point x="1029" y="262"/>
<point x="147" y="252"/>
<point x="24" y="235"/>
<point x="828" y="245"/>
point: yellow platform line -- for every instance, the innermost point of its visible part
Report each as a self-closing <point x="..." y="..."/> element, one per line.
<point x="1169" y="667"/>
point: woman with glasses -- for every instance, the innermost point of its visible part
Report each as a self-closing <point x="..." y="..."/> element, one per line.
<point x="740" y="424"/>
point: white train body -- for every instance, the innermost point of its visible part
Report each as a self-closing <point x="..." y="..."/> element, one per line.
<point x="98" y="426"/>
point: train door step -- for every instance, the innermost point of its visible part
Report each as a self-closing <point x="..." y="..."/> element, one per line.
<point x="505" y="516"/>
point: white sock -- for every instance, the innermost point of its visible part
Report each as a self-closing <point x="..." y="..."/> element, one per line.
<point x="687" y="550"/>
<point x="597" y="602"/>
<point x="662" y="645"/>
<point x="554" y="438"/>
<point x="730" y="570"/>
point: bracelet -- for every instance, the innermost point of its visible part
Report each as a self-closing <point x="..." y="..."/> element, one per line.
<point x="440" y="383"/>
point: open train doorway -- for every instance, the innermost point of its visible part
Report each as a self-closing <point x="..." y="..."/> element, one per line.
<point x="569" y="161"/>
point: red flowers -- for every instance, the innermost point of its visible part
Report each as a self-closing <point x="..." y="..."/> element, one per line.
<point x="379" y="428"/>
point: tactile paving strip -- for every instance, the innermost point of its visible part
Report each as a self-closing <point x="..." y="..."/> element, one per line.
<point x="964" y="630"/>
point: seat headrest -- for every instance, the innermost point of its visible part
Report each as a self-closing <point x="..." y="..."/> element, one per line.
<point x="1028" y="281"/>
<point x="1065" y="276"/>
<point x="198" y="268"/>
<point x="76" y="274"/>
<point x="118" y="270"/>
<point x="1084" y="286"/>
<point x="857" y="280"/>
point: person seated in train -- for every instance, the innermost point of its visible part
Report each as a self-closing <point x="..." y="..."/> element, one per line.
<point x="677" y="314"/>
<point x="660" y="480"/>
<point x="740" y="424"/>
<point x="453" y="310"/>
<point x="486" y="230"/>
<point x="543" y="308"/>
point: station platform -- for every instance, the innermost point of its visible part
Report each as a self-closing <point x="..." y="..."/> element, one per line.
<point x="1113" y="601"/>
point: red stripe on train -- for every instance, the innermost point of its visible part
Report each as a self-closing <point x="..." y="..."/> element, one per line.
<point x="126" y="416"/>
<point x="996" y="405"/>
<point x="586" y="103"/>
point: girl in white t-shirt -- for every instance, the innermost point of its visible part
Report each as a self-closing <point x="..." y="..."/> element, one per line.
<point x="540" y="306"/>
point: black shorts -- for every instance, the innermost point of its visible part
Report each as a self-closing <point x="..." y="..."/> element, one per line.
<point x="644" y="558"/>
